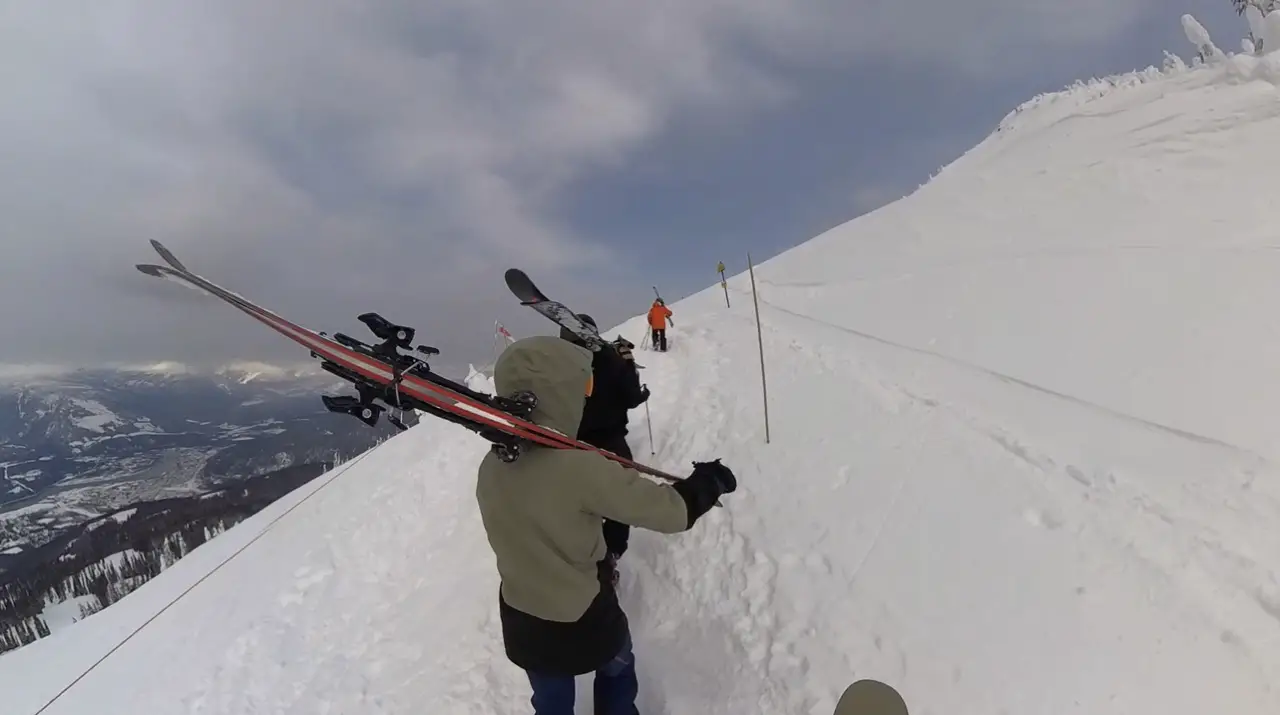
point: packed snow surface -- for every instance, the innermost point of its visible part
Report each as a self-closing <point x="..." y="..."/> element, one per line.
<point x="1024" y="460"/>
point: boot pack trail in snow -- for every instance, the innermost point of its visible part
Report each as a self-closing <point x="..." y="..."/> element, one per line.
<point x="405" y="381"/>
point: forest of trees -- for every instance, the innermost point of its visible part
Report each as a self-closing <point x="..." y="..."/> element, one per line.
<point x="112" y="557"/>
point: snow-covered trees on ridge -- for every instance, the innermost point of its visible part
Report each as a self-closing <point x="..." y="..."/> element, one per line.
<point x="1265" y="6"/>
<point x="111" y="558"/>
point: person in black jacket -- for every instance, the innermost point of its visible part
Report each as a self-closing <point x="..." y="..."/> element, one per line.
<point x="604" y="419"/>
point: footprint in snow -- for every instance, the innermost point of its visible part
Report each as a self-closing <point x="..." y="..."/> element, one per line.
<point x="1043" y="519"/>
<point x="818" y="563"/>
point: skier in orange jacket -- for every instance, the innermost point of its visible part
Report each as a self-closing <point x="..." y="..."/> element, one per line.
<point x="658" y="315"/>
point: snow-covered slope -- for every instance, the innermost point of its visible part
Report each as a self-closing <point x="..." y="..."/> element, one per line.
<point x="1022" y="461"/>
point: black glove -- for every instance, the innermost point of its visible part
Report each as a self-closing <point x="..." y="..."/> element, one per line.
<point x="717" y="471"/>
<point x="704" y="486"/>
<point x="623" y="348"/>
<point x="607" y="571"/>
<point x="644" y="394"/>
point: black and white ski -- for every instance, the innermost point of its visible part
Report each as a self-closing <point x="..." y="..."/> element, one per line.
<point x="871" y="697"/>
<point x="524" y="289"/>
<point x="380" y="372"/>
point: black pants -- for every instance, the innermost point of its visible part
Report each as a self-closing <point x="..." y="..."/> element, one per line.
<point x="616" y="534"/>
<point x="660" y="339"/>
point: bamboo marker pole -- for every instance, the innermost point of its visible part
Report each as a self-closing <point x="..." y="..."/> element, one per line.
<point x="723" y="283"/>
<point x="648" y="417"/>
<point x="764" y="385"/>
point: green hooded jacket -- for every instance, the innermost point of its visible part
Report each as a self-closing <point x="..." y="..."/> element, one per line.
<point x="542" y="513"/>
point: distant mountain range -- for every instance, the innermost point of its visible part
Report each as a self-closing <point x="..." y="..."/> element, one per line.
<point x="78" y="445"/>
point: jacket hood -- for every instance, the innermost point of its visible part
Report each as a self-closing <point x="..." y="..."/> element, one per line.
<point x="555" y="370"/>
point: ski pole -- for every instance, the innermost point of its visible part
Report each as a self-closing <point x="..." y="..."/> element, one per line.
<point x="648" y="418"/>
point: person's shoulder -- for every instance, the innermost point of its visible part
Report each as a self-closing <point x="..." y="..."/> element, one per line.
<point x="578" y="470"/>
<point x="583" y="458"/>
<point x="489" y="460"/>
<point x="584" y="463"/>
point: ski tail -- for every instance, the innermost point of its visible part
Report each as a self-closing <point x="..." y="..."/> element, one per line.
<point x="523" y="287"/>
<point x="168" y="256"/>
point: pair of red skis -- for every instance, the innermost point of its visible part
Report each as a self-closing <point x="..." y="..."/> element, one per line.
<point x="400" y="381"/>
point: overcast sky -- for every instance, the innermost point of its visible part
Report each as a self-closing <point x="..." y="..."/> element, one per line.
<point x="327" y="157"/>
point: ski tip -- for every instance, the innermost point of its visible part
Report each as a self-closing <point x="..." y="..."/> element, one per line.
<point x="167" y="255"/>
<point x="871" y="697"/>
<point x="151" y="270"/>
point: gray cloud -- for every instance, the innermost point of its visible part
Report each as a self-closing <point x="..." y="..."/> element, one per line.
<point x="330" y="158"/>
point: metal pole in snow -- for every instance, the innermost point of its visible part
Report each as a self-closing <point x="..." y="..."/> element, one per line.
<point x="764" y="385"/>
<point x="648" y="418"/>
<point x="725" y="285"/>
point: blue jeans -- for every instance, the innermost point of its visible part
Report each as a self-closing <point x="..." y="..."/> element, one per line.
<point x="615" y="688"/>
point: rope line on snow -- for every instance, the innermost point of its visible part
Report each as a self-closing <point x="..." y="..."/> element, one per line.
<point x="270" y="525"/>
<point x="888" y="512"/>
<point x="916" y="451"/>
<point x="1010" y="379"/>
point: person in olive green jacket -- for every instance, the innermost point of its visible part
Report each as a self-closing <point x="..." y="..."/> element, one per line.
<point x="543" y="514"/>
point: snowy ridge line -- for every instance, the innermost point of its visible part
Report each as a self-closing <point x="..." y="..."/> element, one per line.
<point x="1083" y="91"/>
<point x="1253" y="63"/>
<point x="1175" y="431"/>
<point x="338" y="473"/>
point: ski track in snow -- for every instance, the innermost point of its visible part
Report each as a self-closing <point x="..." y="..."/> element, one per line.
<point x="1172" y="536"/>
<point x="1231" y="593"/>
<point x="1017" y="381"/>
